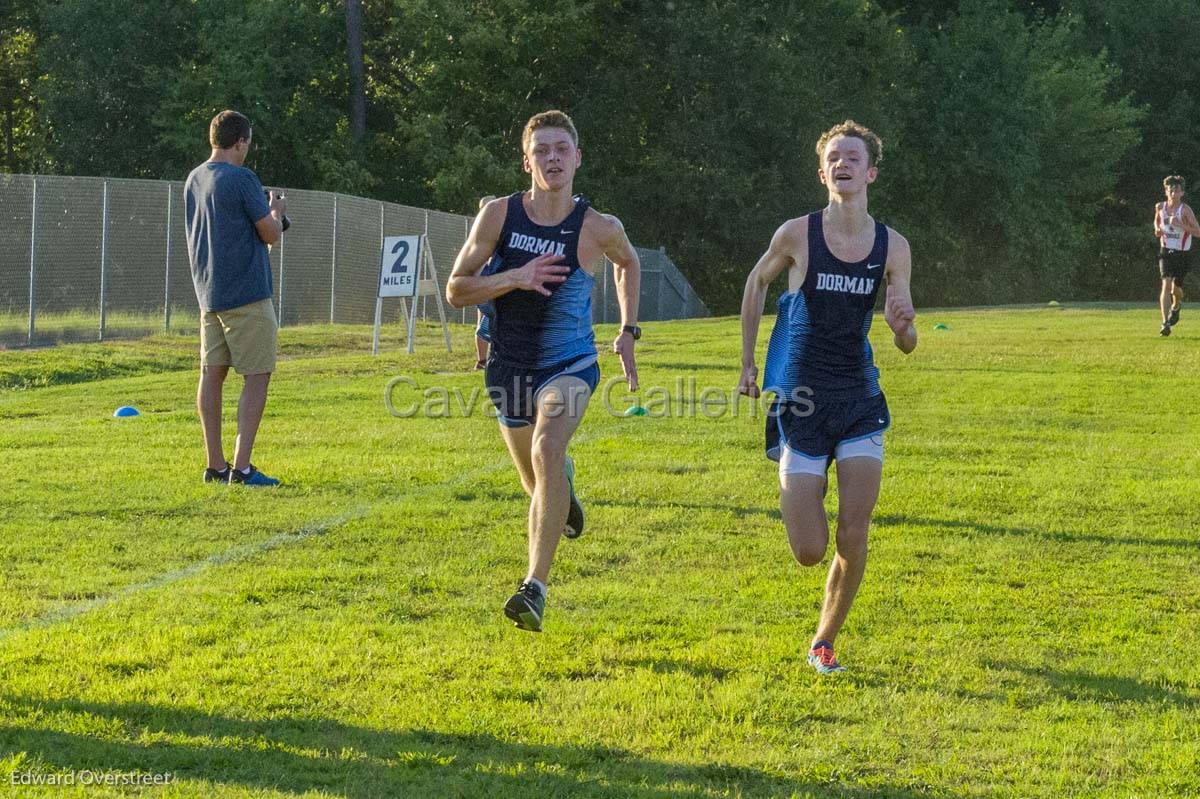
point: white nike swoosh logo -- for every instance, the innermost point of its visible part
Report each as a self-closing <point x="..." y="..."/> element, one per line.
<point x="874" y="266"/>
<point x="565" y="232"/>
<point x="883" y="421"/>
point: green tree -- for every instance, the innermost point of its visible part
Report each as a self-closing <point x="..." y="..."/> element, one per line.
<point x="1019" y="142"/>
<point x="697" y="118"/>
<point x="452" y="83"/>
<point x="18" y="75"/>
<point x="131" y="91"/>
<point x="1155" y="46"/>
<point x="104" y="63"/>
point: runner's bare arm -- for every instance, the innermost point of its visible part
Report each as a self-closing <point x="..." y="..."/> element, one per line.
<point x="1188" y="219"/>
<point x="898" y="305"/>
<point x="627" y="274"/>
<point x="781" y="254"/>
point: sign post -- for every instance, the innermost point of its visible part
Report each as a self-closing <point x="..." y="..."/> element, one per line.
<point x="401" y="263"/>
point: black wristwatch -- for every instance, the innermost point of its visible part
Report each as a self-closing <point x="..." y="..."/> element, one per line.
<point x="632" y="330"/>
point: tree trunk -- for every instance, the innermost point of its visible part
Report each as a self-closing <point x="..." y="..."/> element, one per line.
<point x="354" y="57"/>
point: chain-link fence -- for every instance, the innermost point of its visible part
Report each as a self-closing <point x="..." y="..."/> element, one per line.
<point x="99" y="258"/>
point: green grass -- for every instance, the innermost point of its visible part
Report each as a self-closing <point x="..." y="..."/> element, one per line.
<point x="1028" y="627"/>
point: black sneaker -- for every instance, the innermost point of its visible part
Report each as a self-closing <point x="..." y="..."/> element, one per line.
<point x="217" y="475"/>
<point x="526" y="607"/>
<point x="253" y="478"/>
<point x="574" y="527"/>
<point x="1166" y="330"/>
<point x="1173" y="319"/>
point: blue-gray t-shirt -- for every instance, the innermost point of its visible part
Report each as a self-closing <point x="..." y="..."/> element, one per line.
<point x="230" y="267"/>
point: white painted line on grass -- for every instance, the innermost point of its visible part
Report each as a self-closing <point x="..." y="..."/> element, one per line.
<point x="66" y="613"/>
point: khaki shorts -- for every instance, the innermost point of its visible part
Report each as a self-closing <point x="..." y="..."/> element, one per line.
<point x="242" y="337"/>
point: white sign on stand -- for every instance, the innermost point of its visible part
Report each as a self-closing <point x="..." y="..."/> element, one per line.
<point x="401" y="262"/>
<point x="398" y="266"/>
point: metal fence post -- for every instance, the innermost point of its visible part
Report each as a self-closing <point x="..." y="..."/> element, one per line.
<point x="379" y="277"/>
<point x="604" y="270"/>
<point x="103" y="258"/>
<point x="333" y="267"/>
<point x="378" y="321"/>
<point x="281" y="253"/>
<point x="659" y="303"/>
<point x="466" y="235"/>
<point x="33" y="265"/>
<point x="167" y="268"/>
<point x="424" y="318"/>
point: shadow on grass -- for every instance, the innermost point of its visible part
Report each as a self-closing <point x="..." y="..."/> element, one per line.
<point x="295" y="754"/>
<point x="1062" y="536"/>
<point x="888" y="520"/>
<point x="1083" y="686"/>
<point x="48" y="335"/>
<point x="681" y="369"/>
<point x="741" y="511"/>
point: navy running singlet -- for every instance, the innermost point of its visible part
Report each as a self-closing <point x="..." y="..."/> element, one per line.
<point x="529" y="329"/>
<point x="820" y="337"/>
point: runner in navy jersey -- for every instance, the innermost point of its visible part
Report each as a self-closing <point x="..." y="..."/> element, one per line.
<point x="829" y="406"/>
<point x="529" y="261"/>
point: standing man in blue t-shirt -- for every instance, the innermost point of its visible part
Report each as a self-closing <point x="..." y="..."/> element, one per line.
<point x="230" y="224"/>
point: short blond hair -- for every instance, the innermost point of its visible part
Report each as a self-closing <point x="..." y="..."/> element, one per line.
<point x="854" y="130"/>
<point x="548" y="119"/>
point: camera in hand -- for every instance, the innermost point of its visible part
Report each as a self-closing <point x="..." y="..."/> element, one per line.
<point x="287" y="223"/>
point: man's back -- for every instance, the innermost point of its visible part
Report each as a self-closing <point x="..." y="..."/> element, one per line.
<point x="230" y="267"/>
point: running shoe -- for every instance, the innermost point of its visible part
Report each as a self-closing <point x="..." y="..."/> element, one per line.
<point x="821" y="658"/>
<point x="526" y="607"/>
<point x="254" y="478"/>
<point x="1166" y="330"/>
<point x="1173" y="319"/>
<point x="217" y="475"/>
<point x="574" y="527"/>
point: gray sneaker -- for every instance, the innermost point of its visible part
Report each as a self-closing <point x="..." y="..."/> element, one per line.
<point x="526" y="607"/>
<point x="574" y="527"/>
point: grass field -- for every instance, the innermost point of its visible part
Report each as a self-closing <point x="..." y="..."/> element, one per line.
<point x="1029" y="625"/>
